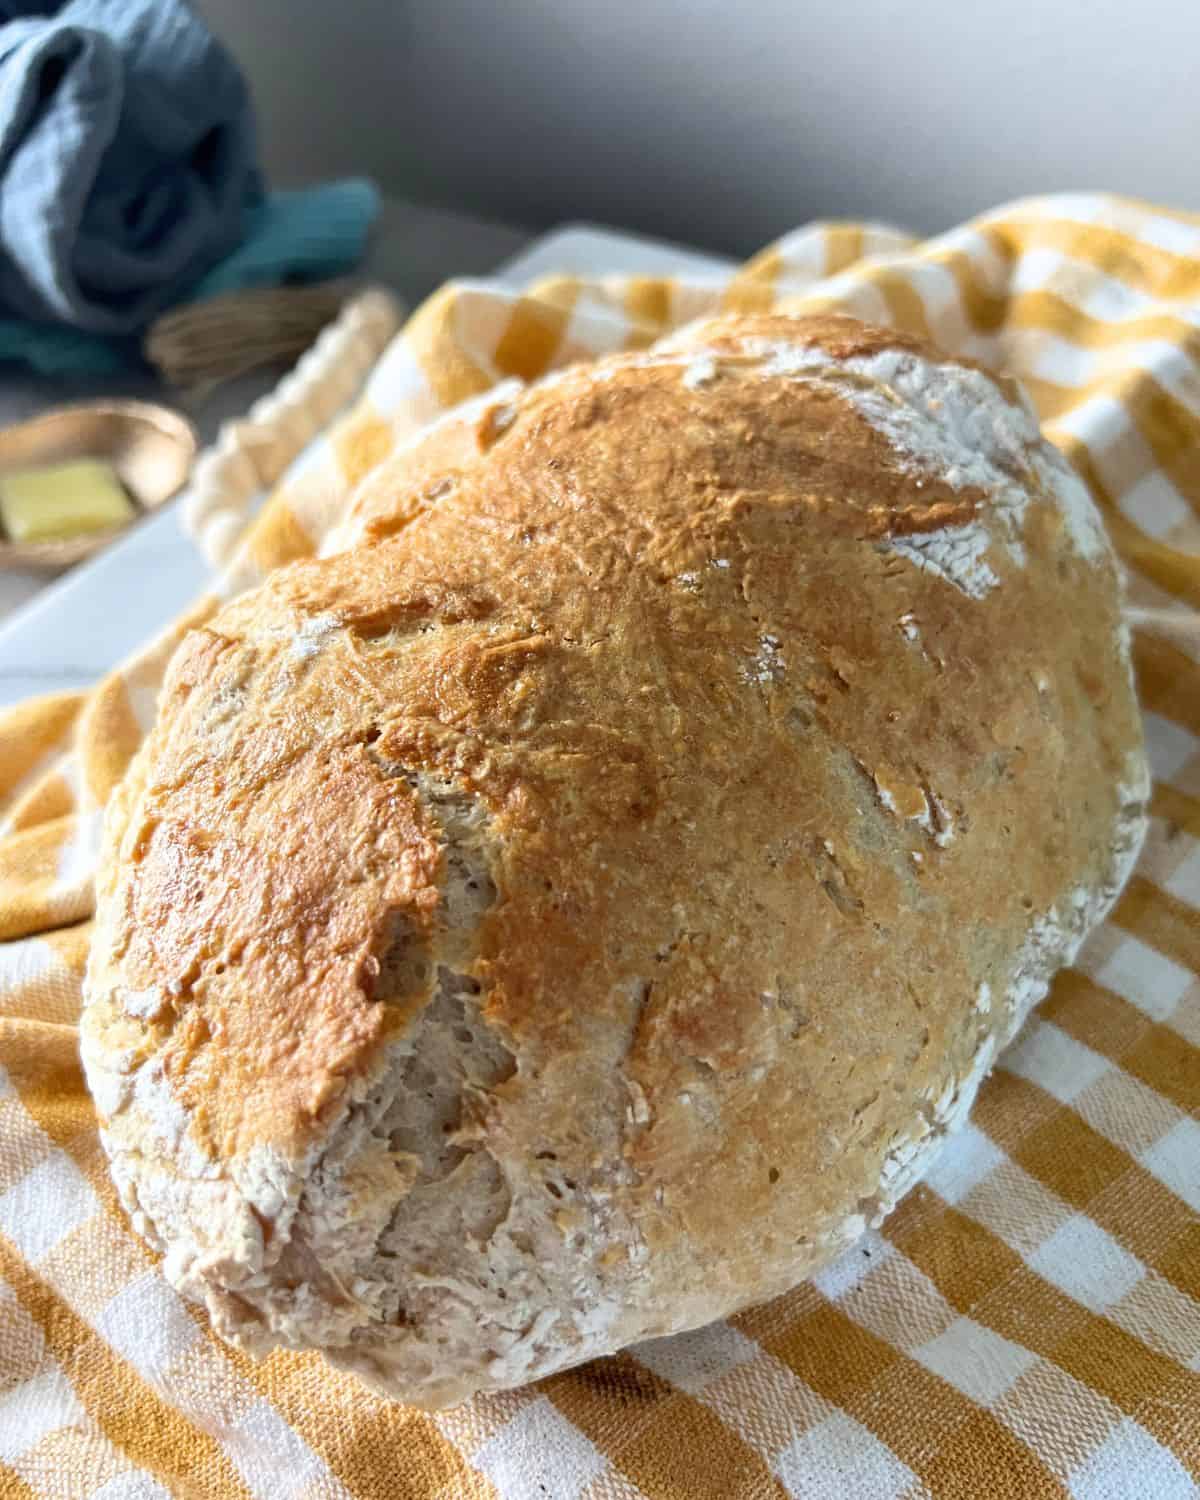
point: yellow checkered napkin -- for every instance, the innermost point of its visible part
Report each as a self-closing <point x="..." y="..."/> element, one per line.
<point x="1027" y="1324"/>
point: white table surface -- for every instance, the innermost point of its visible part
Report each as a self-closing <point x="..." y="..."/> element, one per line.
<point x="66" y="634"/>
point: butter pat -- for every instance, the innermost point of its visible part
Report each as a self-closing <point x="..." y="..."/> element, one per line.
<point x="62" y="500"/>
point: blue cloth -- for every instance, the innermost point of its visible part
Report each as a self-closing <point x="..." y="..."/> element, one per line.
<point x="129" y="181"/>
<point x="291" y="236"/>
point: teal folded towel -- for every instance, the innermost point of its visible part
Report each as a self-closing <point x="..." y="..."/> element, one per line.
<point x="293" y="236"/>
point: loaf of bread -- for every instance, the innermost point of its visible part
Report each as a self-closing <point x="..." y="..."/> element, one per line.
<point x="577" y="908"/>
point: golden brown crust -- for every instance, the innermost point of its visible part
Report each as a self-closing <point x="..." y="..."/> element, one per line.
<point x="768" y="804"/>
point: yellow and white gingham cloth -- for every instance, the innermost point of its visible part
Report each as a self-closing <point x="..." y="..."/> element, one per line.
<point x="1026" y="1324"/>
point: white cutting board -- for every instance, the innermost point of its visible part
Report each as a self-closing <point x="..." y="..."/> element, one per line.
<point x="78" y="628"/>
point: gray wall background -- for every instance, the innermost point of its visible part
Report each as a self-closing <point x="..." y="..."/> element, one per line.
<point x="723" y="123"/>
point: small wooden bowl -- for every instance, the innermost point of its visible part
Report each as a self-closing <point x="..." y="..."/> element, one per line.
<point x="150" y="447"/>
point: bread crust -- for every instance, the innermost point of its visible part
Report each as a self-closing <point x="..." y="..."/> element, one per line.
<point x="728" y="743"/>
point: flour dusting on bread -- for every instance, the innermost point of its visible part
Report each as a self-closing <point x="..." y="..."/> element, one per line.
<point x="946" y="419"/>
